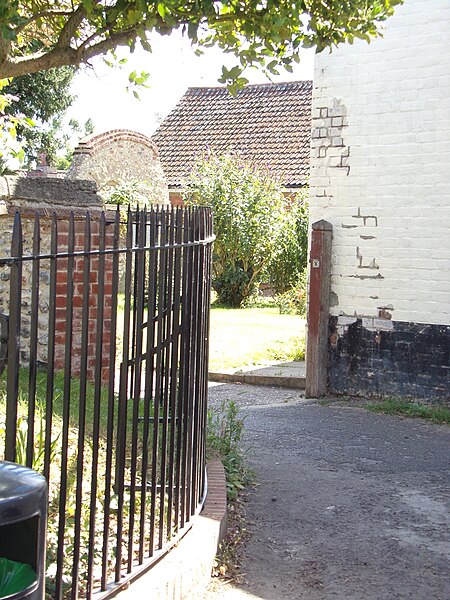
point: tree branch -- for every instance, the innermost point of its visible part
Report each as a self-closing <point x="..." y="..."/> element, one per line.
<point x="121" y="38"/>
<point x="73" y="37"/>
<point x="58" y="57"/>
<point x="70" y="28"/>
<point x="41" y="15"/>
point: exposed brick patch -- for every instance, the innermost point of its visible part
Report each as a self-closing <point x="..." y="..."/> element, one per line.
<point x="327" y="138"/>
<point x="62" y="312"/>
<point x="176" y="198"/>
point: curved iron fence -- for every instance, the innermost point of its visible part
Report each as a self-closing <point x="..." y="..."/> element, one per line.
<point x="105" y="341"/>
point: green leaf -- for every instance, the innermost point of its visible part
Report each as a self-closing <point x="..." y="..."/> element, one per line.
<point x="162" y="10"/>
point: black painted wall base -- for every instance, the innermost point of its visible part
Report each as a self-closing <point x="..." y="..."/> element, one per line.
<point x="411" y="360"/>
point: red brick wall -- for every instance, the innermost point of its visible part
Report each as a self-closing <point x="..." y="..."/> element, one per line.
<point x="62" y="313"/>
<point x="175" y="198"/>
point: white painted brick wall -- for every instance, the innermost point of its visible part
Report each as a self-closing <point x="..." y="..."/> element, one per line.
<point x="393" y="97"/>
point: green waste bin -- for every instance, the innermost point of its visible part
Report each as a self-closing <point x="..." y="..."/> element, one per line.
<point x="23" y="521"/>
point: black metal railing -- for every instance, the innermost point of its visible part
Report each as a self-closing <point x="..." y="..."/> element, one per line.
<point x="105" y="339"/>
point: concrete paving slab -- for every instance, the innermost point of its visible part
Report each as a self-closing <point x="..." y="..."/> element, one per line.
<point x="279" y="374"/>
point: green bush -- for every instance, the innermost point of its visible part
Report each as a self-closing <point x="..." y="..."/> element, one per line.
<point x="125" y="192"/>
<point x="248" y="207"/>
<point x="293" y="301"/>
<point x="293" y="349"/>
<point x="289" y="260"/>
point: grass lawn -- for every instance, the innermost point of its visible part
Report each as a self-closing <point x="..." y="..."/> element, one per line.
<point x="73" y="485"/>
<point x="253" y="336"/>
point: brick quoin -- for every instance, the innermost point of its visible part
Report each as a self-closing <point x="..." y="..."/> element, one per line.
<point x="176" y="198"/>
<point x="77" y="303"/>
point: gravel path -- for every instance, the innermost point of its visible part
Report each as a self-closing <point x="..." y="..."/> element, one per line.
<point x="349" y="504"/>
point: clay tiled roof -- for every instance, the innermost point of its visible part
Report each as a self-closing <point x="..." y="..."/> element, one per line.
<point x="269" y="124"/>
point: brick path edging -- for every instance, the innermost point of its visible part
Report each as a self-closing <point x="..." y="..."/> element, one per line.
<point x="185" y="572"/>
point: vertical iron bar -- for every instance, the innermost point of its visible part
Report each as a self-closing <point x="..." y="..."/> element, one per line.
<point x="123" y="402"/>
<point x="197" y="363"/>
<point x="200" y="360"/>
<point x="175" y="421"/>
<point x="82" y="407"/>
<point x="187" y="309"/>
<point x="111" y="399"/>
<point x="51" y="349"/>
<point x="15" y="303"/>
<point x="160" y="213"/>
<point x="34" y="314"/>
<point x="133" y="335"/>
<point x="168" y="288"/>
<point x="66" y="409"/>
<point x="184" y="333"/>
<point x="189" y="398"/>
<point x="137" y="348"/>
<point x="206" y="301"/>
<point x="207" y="304"/>
<point x="97" y="404"/>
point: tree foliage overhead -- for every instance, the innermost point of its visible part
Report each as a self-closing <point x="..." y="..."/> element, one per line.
<point x="36" y="35"/>
<point x="43" y="98"/>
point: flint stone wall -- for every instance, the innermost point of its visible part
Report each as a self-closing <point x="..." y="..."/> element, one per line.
<point x="121" y="155"/>
<point x="47" y="197"/>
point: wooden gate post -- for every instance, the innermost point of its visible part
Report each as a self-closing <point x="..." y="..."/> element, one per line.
<point x="318" y="309"/>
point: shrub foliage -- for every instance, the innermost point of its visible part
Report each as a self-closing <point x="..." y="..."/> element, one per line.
<point x="288" y="262"/>
<point x="249" y="213"/>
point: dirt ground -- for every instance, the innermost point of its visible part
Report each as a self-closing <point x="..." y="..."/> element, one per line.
<point x="348" y="504"/>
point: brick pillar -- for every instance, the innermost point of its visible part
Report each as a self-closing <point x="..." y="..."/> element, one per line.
<point x="318" y="309"/>
<point x="61" y="299"/>
<point x="176" y="198"/>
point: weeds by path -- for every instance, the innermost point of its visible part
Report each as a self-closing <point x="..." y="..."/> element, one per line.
<point x="224" y="440"/>
<point x="394" y="406"/>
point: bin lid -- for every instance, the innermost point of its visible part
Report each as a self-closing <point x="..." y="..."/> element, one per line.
<point x="23" y="492"/>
